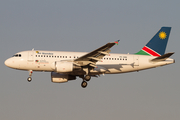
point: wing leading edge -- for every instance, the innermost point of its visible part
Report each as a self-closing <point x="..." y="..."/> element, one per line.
<point x="92" y="57"/>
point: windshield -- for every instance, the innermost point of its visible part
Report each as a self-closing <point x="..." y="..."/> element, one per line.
<point x="17" y="55"/>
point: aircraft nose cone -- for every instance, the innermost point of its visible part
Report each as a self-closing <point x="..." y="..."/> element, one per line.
<point x="7" y="63"/>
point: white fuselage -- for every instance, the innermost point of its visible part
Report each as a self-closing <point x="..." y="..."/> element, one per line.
<point x="110" y="64"/>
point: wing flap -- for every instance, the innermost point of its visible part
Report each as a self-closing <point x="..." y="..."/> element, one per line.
<point x="105" y="53"/>
<point x="92" y="65"/>
<point x="94" y="58"/>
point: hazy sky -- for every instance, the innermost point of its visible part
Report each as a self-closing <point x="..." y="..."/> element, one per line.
<point x="80" y="25"/>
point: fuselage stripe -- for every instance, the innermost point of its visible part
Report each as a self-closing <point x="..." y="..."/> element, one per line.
<point x="150" y="51"/>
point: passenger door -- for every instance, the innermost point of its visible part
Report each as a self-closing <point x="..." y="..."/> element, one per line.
<point x="31" y="56"/>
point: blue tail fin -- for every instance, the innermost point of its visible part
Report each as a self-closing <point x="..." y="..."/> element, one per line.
<point x="157" y="45"/>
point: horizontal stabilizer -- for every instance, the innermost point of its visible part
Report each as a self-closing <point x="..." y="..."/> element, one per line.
<point x="162" y="58"/>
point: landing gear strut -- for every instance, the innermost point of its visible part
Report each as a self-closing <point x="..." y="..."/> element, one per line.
<point x="29" y="79"/>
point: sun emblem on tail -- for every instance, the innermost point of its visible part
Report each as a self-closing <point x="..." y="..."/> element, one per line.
<point x="162" y="35"/>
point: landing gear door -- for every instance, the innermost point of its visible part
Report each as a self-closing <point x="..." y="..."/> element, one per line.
<point x="31" y="56"/>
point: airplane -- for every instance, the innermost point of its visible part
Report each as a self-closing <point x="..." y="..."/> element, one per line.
<point x="67" y="66"/>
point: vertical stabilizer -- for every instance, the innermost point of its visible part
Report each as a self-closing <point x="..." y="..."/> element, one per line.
<point x="157" y="45"/>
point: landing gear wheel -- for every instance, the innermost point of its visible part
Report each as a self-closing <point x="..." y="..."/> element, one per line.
<point x="29" y="79"/>
<point x="87" y="77"/>
<point x="84" y="84"/>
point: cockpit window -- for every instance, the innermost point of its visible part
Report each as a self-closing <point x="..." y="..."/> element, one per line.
<point x="17" y="55"/>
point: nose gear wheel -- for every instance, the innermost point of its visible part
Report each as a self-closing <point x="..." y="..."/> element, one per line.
<point x="29" y="79"/>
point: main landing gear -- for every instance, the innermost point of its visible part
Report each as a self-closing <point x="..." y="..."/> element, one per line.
<point x="84" y="84"/>
<point x="29" y="79"/>
<point x="85" y="79"/>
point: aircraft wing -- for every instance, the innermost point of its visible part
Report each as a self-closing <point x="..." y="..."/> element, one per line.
<point x="94" y="56"/>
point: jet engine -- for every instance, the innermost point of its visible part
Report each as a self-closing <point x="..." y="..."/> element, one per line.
<point x="60" y="78"/>
<point x="64" y="66"/>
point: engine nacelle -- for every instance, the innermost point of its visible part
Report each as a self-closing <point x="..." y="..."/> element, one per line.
<point x="60" y="78"/>
<point x="64" y="66"/>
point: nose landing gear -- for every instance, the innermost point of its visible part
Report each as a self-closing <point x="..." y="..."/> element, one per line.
<point x="29" y="79"/>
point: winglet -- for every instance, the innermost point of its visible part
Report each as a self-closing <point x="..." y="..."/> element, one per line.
<point x="117" y="42"/>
